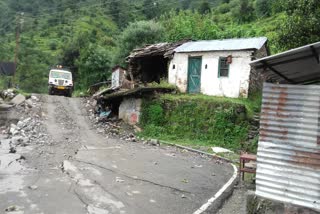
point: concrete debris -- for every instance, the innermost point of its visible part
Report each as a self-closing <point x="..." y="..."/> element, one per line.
<point x="106" y="123"/>
<point x="16" y="136"/>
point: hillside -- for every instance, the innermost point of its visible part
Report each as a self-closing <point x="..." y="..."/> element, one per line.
<point x="91" y="36"/>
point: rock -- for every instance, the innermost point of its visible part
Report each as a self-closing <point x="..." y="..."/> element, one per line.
<point x="137" y="128"/>
<point x="183" y="196"/>
<point x="119" y="180"/>
<point x="34" y="98"/>
<point x="12" y="150"/>
<point x="17" y="100"/>
<point x="29" y="103"/>
<point x="220" y="150"/>
<point x="33" y="187"/>
<point x="4" y="107"/>
<point x="11" y="209"/>
<point x="13" y="129"/>
<point x="19" y="140"/>
<point x="154" y="142"/>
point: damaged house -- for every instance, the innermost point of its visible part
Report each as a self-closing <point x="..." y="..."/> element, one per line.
<point x="145" y="65"/>
<point x="217" y="67"/>
<point x="150" y="63"/>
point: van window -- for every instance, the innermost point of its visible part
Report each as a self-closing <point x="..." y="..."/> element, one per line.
<point x="60" y="75"/>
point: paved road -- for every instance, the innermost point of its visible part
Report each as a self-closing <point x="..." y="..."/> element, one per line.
<point x="80" y="171"/>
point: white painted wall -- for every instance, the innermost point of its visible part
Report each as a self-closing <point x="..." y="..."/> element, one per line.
<point x="115" y="79"/>
<point x="236" y="85"/>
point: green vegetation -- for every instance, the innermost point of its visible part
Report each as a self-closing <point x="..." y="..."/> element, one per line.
<point x="198" y="120"/>
<point x="92" y="36"/>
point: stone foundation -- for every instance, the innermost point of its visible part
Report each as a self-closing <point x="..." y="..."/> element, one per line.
<point x="259" y="205"/>
<point x="130" y="110"/>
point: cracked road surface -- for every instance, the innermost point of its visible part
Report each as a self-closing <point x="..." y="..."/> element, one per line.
<point x="81" y="171"/>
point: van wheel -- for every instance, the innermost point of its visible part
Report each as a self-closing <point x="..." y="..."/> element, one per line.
<point x="50" y="92"/>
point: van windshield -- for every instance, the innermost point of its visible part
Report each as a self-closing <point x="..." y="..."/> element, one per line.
<point x="60" y="75"/>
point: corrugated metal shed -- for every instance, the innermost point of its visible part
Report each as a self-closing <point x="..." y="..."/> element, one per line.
<point x="297" y="66"/>
<point x="288" y="159"/>
<point x="223" y="45"/>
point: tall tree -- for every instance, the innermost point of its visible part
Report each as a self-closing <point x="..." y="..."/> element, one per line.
<point x="244" y="12"/>
<point x="204" y="7"/>
<point x="136" y="35"/>
<point x="301" y="23"/>
<point x="263" y="8"/>
<point x="150" y="9"/>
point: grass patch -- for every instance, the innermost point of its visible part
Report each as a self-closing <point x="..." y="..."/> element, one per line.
<point x="198" y="120"/>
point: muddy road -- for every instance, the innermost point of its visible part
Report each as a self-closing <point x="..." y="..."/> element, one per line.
<point x="69" y="168"/>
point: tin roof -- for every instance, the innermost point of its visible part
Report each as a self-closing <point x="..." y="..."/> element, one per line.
<point x="223" y="45"/>
<point x="288" y="159"/>
<point x="296" y="66"/>
<point x="161" y="49"/>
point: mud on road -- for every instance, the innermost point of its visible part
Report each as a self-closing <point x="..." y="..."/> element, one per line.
<point x="69" y="168"/>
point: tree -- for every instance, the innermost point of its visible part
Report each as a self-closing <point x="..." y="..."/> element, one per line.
<point x="204" y="7"/>
<point x="263" y="8"/>
<point x="94" y="65"/>
<point x="244" y="12"/>
<point x="120" y="12"/>
<point x="136" y="35"/>
<point x="300" y="25"/>
<point x="150" y="9"/>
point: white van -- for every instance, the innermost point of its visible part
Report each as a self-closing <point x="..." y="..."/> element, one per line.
<point x="60" y="82"/>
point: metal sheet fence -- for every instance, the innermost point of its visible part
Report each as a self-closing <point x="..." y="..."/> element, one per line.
<point x="288" y="159"/>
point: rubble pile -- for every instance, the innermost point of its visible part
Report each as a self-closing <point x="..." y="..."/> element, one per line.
<point x="23" y="132"/>
<point x="108" y="124"/>
<point x="11" y="98"/>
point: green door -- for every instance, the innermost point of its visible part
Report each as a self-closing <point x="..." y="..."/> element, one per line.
<point x="194" y="74"/>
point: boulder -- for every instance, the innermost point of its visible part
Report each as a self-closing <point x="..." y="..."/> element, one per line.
<point x="17" y="100"/>
<point x="5" y="107"/>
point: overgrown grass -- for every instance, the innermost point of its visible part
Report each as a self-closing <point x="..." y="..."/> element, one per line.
<point x="252" y="104"/>
<point x="198" y="120"/>
<point x="163" y="83"/>
<point x="80" y="93"/>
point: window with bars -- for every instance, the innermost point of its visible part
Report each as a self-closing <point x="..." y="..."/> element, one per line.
<point x="223" y="70"/>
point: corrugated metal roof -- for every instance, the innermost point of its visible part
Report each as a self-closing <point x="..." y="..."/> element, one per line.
<point x="288" y="159"/>
<point x="297" y="66"/>
<point x="222" y="45"/>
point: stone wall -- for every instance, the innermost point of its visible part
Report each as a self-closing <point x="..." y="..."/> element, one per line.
<point x="256" y="78"/>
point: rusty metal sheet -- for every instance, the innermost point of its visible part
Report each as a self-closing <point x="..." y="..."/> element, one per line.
<point x="288" y="159"/>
